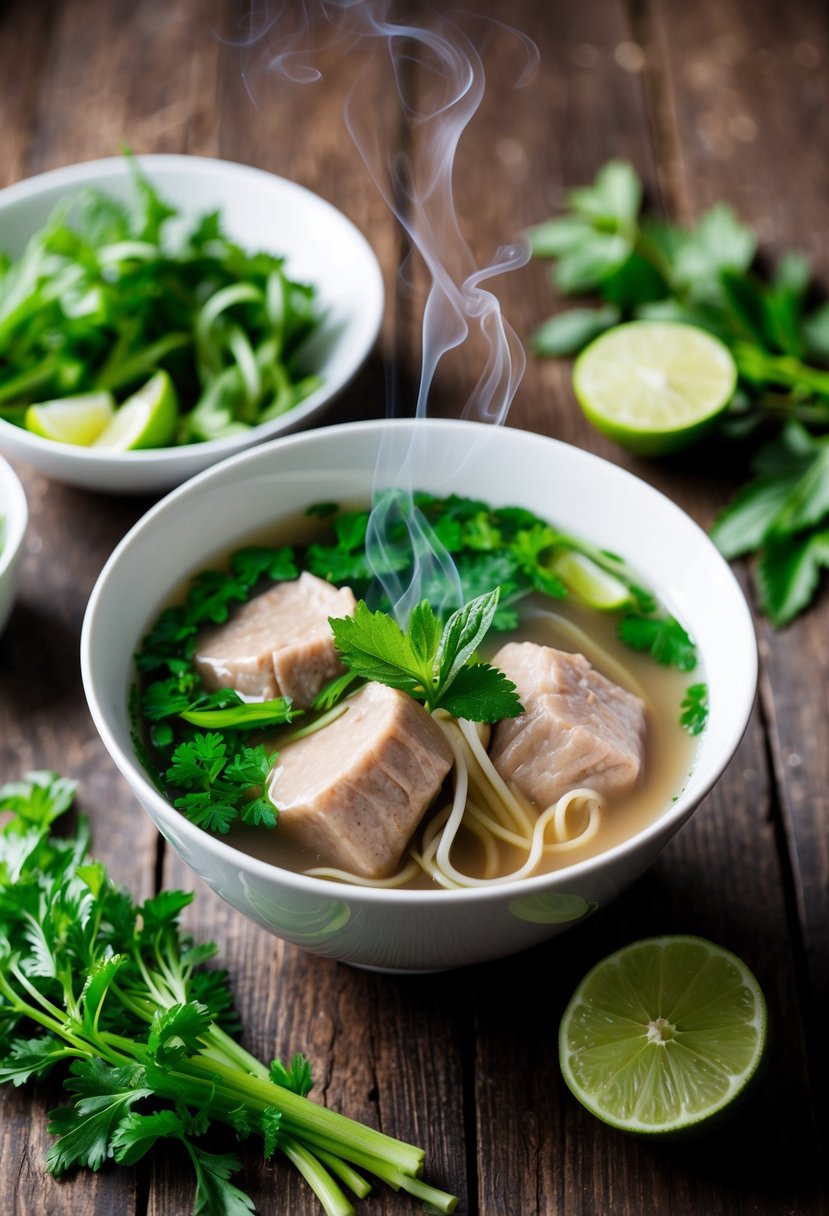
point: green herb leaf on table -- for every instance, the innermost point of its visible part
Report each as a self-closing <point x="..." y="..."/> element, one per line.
<point x="706" y="276"/>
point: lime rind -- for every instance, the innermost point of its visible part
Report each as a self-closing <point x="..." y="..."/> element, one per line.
<point x="612" y="1053"/>
<point x="147" y="419"/>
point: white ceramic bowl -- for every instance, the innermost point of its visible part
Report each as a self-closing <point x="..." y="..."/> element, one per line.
<point x="260" y="211"/>
<point x="419" y="930"/>
<point x="14" y="515"/>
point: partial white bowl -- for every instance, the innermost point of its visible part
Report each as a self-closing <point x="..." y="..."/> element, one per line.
<point x="14" y="515"/>
<point x="259" y="211"/>
<point x="400" y="929"/>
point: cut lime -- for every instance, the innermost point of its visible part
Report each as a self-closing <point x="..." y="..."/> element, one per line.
<point x="654" y="386"/>
<point x="587" y="580"/>
<point x="79" y="420"/>
<point x="663" y="1034"/>
<point x="148" y="419"/>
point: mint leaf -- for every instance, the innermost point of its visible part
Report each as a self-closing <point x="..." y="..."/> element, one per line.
<point x="742" y="525"/>
<point x="462" y="635"/>
<point x="568" y="332"/>
<point x="616" y="194"/>
<point x="788" y="573"/>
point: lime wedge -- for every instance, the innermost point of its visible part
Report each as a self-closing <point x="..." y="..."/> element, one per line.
<point x="79" y="420"/>
<point x="587" y="580"/>
<point x="663" y="1034"/>
<point x="654" y="386"/>
<point x="148" y="419"/>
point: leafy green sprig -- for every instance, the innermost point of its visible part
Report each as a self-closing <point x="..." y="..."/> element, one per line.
<point x="431" y="663"/>
<point x="119" y="994"/>
<point x="775" y="326"/>
<point x="105" y="295"/>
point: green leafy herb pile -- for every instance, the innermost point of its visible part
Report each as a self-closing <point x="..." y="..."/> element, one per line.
<point x="107" y="293"/>
<point x="206" y="749"/>
<point x="643" y="268"/>
<point x="116" y="992"/>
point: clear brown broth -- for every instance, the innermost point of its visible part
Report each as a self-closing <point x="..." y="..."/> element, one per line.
<point x="669" y="750"/>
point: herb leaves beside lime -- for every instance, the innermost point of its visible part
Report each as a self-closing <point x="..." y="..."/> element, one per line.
<point x="107" y="294"/>
<point x="663" y="1035"/>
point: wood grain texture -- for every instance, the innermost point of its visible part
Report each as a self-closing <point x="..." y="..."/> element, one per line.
<point x="708" y="100"/>
<point x="749" y="97"/>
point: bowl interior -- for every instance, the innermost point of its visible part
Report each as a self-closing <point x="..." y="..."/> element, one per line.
<point x="260" y="211"/>
<point x="577" y="491"/>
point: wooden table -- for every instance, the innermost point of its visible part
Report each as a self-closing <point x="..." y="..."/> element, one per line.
<point x="718" y="98"/>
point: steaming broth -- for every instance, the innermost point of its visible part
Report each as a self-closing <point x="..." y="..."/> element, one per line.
<point x="568" y="626"/>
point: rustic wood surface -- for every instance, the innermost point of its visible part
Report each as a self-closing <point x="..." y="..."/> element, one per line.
<point x="715" y="99"/>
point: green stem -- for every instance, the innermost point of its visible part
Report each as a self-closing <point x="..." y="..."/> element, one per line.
<point x="334" y="1202"/>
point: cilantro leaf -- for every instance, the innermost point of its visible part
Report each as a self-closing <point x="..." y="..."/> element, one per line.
<point x="176" y="1032"/>
<point x="136" y="1134"/>
<point x="694" y="709"/>
<point x="215" y="1195"/>
<point x="662" y="637"/>
<point x="257" y="562"/>
<point x="85" y="1130"/>
<point x="29" y="1058"/>
<point x="428" y="662"/>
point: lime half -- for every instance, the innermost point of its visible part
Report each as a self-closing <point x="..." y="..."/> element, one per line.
<point x="654" y="386"/>
<point x="79" y="420"/>
<point x="148" y="419"/>
<point x="663" y="1034"/>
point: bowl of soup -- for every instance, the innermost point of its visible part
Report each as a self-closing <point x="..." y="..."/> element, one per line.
<point x="418" y="694"/>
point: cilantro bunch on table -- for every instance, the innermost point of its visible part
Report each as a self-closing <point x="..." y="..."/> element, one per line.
<point x="776" y="326"/>
<point x="115" y="998"/>
<point x="107" y="293"/>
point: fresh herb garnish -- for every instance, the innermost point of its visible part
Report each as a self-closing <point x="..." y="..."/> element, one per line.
<point x="222" y="787"/>
<point x="694" y="709"/>
<point x="104" y="296"/>
<point x="778" y="332"/>
<point x="116" y="991"/>
<point x="430" y="663"/>
<point x="662" y="637"/>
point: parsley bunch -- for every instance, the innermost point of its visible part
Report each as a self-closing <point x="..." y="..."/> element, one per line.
<point x="116" y="992"/>
<point x="642" y="268"/>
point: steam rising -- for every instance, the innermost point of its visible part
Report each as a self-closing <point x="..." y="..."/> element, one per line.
<point x="439" y="64"/>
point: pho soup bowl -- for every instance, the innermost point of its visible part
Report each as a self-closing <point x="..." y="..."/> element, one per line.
<point x="260" y="212"/>
<point x="436" y="928"/>
<point x="14" y="515"/>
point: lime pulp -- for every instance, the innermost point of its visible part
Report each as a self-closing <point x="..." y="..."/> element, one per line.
<point x="663" y="1035"/>
<point x="654" y="387"/>
<point x="78" y="420"/>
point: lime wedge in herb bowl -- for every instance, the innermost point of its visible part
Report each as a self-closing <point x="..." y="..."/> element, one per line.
<point x="79" y="419"/>
<point x="663" y="1035"/>
<point x="257" y="298"/>
<point x="654" y="387"/>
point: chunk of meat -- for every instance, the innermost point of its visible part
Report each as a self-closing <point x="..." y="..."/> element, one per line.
<point x="578" y="728"/>
<point x="279" y="644"/>
<point x="354" y="792"/>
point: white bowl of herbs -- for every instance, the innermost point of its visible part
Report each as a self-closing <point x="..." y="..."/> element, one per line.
<point x="162" y="313"/>
<point x="521" y="515"/>
<point x="14" y="515"/>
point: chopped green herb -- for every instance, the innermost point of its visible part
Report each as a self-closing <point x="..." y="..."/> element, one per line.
<point x="662" y="637"/>
<point x="694" y="709"/>
<point x="124" y="1001"/>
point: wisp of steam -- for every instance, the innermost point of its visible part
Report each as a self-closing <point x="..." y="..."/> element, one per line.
<point x="438" y="72"/>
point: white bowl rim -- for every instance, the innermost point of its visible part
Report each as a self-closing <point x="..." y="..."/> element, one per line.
<point x="353" y="893"/>
<point x="84" y="172"/>
<point x="14" y="512"/>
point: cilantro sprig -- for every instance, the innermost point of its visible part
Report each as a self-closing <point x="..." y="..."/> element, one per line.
<point x="776" y="326"/>
<point x="115" y="997"/>
<point x="429" y="662"/>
